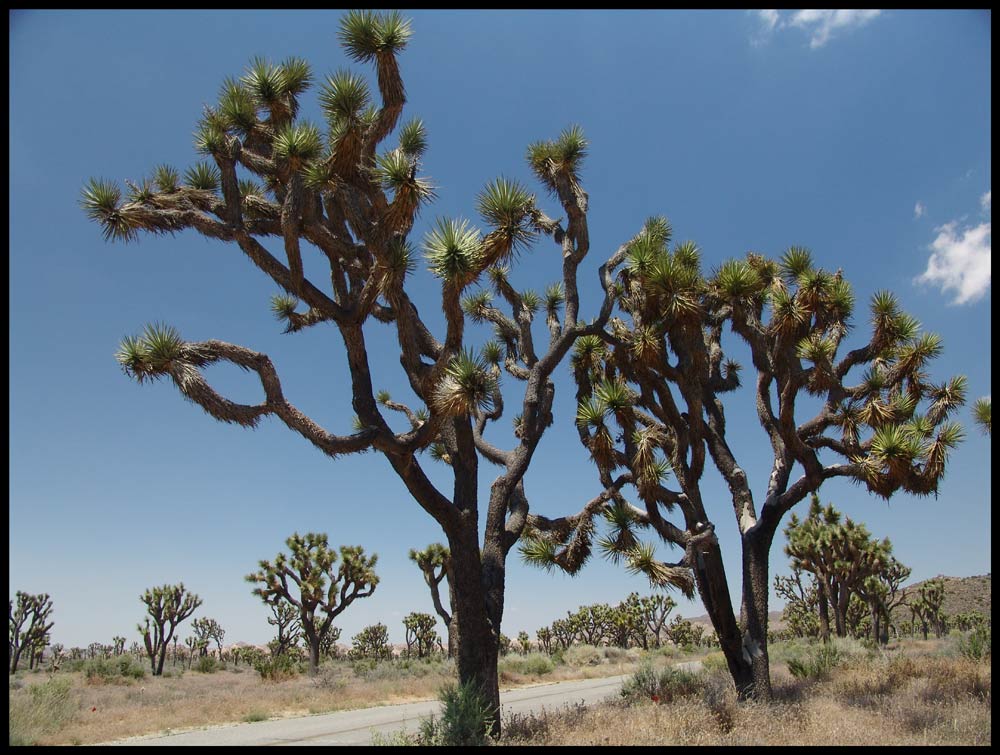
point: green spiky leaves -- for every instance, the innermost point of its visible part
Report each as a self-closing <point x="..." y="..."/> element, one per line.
<point x="202" y="176"/>
<point x="453" y="251"/>
<point x="565" y="155"/>
<point x="413" y="138"/>
<point x="344" y="96"/>
<point x="298" y="143"/>
<point x="468" y="386"/>
<point x="149" y="355"/>
<point x="101" y="201"/>
<point x="506" y="205"/>
<point x="166" y="178"/>
<point x="366" y="34"/>
<point x="283" y="306"/>
<point x="981" y="412"/>
<point x="737" y="281"/>
<point x="397" y="170"/>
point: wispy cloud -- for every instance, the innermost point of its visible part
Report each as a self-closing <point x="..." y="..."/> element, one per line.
<point x="960" y="260"/>
<point x="819" y="24"/>
<point x="919" y="210"/>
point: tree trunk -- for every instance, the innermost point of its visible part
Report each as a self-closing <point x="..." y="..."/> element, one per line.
<point x="710" y="577"/>
<point x="824" y="611"/>
<point x="313" y="653"/>
<point x="755" y="595"/>
<point x="476" y="637"/>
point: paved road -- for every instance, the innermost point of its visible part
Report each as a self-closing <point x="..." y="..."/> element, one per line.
<point x="355" y="727"/>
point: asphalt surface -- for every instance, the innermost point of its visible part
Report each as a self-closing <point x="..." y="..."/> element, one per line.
<point x="355" y="727"/>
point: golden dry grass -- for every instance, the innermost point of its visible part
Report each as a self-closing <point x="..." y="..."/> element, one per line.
<point x="898" y="701"/>
<point x="106" y="712"/>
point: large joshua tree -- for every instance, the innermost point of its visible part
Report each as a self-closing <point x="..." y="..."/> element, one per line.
<point x="274" y="179"/>
<point x="651" y="392"/>
<point x="301" y="580"/>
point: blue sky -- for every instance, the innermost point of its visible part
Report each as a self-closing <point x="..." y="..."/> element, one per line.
<point x="863" y="136"/>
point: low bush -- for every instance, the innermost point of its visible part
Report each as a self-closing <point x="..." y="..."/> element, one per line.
<point x="533" y="664"/>
<point x="121" y="670"/>
<point x="277" y="668"/>
<point x="649" y="684"/>
<point x="815" y="663"/>
<point x="464" y="722"/>
<point x="207" y="664"/>
<point x="583" y="655"/>
<point x="977" y="644"/>
<point x="41" y="709"/>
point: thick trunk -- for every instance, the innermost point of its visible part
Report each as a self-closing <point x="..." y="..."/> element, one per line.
<point x="313" y="654"/>
<point x="840" y="610"/>
<point x="475" y="636"/>
<point x="710" y="577"/>
<point x="755" y="595"/>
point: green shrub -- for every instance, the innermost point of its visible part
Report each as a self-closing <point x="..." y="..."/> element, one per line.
<point x="277" y="668"/>
<point x="254" y="716"/>
<point x="977" y="645"/>
<point x="583" y="655"/>
<point x="41" y="709"/>
<point x="660" y="685"/>
<point x="207" y="664"/>
<point x="121" y="670"/>
<point x="715" y="662"/>
<point x="815" y="663"/>
<point x="537" y="664"/>
<point x="465" y="719"/>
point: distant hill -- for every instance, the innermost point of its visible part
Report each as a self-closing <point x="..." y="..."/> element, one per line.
<point x="961" y="594"/>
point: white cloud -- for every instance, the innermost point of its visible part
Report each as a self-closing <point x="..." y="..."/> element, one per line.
<point x="919" y="210"/>
<point x="960" y="261"/>
<point x="821" y="24"/>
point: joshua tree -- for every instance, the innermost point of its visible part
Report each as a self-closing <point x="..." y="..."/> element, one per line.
<point x="523" y="642"/>
<point x="206" y="629"/>
<point x="654" y="610"/>
<point x="651" y="390"/>
<point x="881" y="592"/>
<point x="309" y="567"/>
<point x="328" y="645"/>
<point x="434" y="562"/>
<point x="167" y="606"/>
<point x="544" y="635"/>
<point x="285" y="617"/>
<point x="420" y="633"/>
<point x="372" y="642"/>
<point x="118" y="645"/>
<point x="928" y="607"/>
<point x="271" y="176"/>
<point x="801" y="603"/>
<point x="28" y="625"/>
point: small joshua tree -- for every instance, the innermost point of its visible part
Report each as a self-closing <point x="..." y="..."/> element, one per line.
<point x="285" y="617"/>
<point x="372" y="642"/>
<point x="523" y="642"/>
<point x="167" y="606"/>
<point x="308" y="569"/>
<point x="28" y="625"/>
<point x="206" y="629"/>
<point x="434" y="562"/>
<point x="928" y="607"/>
<point x="420" y="633"/>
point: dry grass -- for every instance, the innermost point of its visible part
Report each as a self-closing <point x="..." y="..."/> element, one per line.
<point x="885" y="701"/>
<point x="102" y="712"/>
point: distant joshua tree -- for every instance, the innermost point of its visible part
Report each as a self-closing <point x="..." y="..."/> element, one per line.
<point x="285" y="617"/>
<point x="206" y="629"/>
<point x="309" y="567"/>
<point x="167" y="606"/>
<point x="434" y="562"/>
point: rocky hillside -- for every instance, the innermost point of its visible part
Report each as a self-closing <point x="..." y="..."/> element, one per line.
<point x="961" y="594"/>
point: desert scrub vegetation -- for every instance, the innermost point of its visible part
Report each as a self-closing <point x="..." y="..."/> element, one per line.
<point x="899" y="697"/>
<point x="39" y="710"/>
